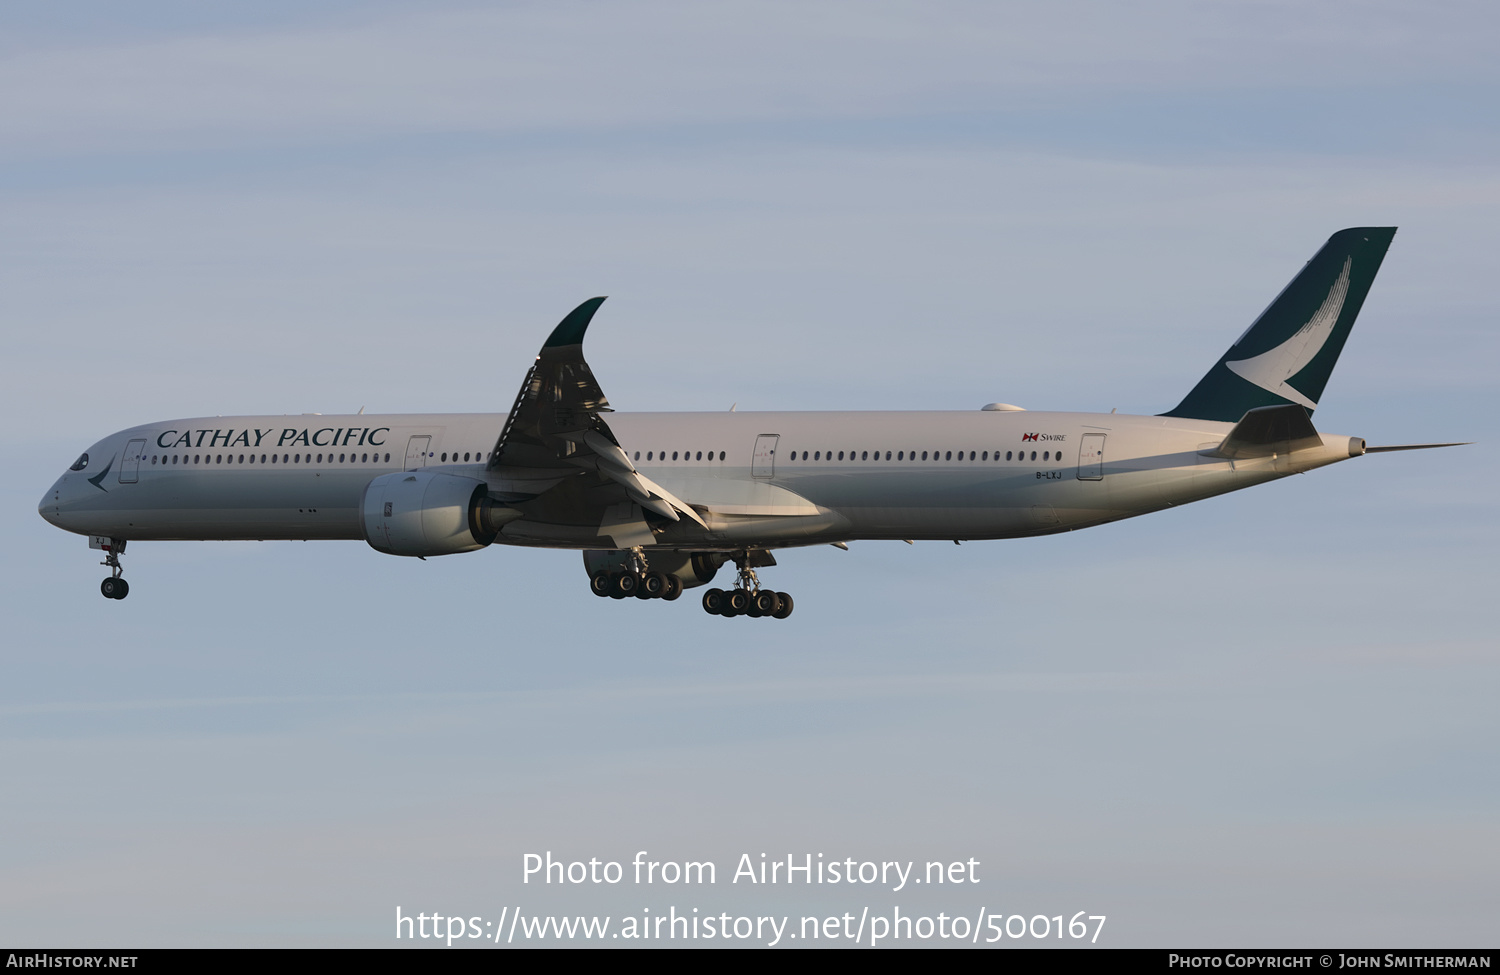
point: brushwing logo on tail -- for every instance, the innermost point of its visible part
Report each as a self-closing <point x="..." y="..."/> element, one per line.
<point x="1271" y="370"/>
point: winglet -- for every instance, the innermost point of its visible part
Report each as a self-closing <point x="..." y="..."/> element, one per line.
<point x="570" y="330"/>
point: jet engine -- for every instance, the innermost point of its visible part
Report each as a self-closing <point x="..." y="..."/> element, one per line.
<point x="421" y="513"/>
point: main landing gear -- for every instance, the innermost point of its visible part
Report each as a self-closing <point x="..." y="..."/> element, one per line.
<point x="115" y="587"/>
<point x="747" y="598"/>
<point x="638" y="581"/>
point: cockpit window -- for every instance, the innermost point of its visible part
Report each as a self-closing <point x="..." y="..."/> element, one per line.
<point x="80" y="463"/>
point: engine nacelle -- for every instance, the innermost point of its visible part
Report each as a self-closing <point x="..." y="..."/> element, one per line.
<point x="690" y="568"/>
<point x="422" y="513"/>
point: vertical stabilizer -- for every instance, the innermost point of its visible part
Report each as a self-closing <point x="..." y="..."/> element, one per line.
<point x="1288" y="354"/>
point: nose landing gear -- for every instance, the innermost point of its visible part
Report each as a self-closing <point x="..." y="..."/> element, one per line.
<point x="114" y="587"/>
<point x="747" y="598"/>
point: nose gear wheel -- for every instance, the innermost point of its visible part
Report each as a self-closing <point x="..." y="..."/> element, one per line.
<point x="114" y="587"/>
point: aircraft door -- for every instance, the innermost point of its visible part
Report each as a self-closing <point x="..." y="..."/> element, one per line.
<point x="1091" y="457"/>
<point x="130" y="464"/>
<point x="416" y="452"/>
<point x="764" y="461"/>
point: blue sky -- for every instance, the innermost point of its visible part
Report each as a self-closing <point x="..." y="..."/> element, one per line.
<point x="1265" y="719"/>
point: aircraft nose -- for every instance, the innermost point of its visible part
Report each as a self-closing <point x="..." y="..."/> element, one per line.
<point x="49" y="506"/>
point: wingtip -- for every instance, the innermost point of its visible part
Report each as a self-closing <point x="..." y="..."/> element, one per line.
<point x="570" y="330"/>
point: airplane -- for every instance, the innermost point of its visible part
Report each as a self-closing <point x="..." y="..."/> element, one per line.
<point x="659" y="502"/>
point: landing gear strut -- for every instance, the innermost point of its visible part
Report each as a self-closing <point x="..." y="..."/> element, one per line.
<point x="637" y="580"/>
<point x="747" y="598"/>
<point x="115" y="587"/>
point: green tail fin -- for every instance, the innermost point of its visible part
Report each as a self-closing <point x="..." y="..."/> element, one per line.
<point x="1288" y="354"/>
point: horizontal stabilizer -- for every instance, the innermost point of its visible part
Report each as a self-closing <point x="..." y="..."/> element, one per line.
<point x="1269" y="430"/>
<point x="1414" y="446"/>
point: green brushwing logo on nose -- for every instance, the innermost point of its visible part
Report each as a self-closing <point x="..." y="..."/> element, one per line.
<point x="100" y="476"/>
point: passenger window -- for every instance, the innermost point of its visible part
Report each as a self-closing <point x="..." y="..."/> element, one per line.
<point x="637" y="455"/>
<point x="1007" y="455"/>
<point x="1033" y="455"/>
<point x="950" y="455"/>
<point x="985" y="455"/>
<point x="924" y="455"/>
<point x="841" y="455"/>
<point x="700" y="455"/>
<point x="817" y="455"/>
<point x="971" y="455"/>
<point x="674" y="455"/>
<point x="865" y="455"/>
<point x="804" y="455"/>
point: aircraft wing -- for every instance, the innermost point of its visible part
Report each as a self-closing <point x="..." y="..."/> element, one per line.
<point x="556" y="429"/>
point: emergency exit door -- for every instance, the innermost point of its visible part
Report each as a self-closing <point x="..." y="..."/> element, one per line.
<point x="764" y="462"/>
<point x="130" y="463"/>
<point x="416" y="452"/>
<point x="1091" y="457"/>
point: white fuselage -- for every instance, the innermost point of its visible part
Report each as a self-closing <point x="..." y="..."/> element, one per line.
<point x="825" y="477"/>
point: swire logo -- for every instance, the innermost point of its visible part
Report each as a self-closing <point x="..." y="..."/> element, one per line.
<point x="1028" y="436"/>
